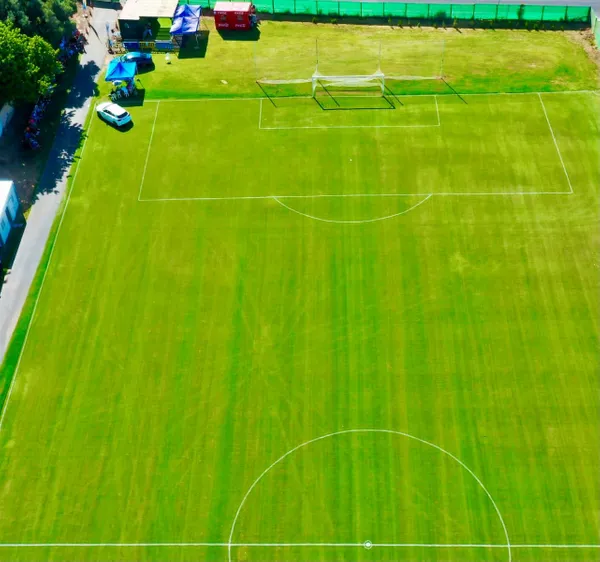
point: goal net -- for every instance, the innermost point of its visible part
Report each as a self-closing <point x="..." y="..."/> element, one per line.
<point x="360" y="64"/>
<point x="374" y="83"/>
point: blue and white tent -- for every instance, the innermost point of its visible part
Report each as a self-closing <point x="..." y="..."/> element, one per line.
<point x="186" y="20"/>
<point x="118" y="70"/>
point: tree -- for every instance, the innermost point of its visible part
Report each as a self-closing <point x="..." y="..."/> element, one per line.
<point x="48" y="18"/>
<point x="28" y="65"/>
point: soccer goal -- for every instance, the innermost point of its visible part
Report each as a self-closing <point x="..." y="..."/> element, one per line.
<point x="348" y="83"/>
<point x="350" y="91"/>
<point x="361" y="67"/>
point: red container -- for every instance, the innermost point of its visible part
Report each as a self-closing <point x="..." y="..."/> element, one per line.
<point x="232" y="15"/>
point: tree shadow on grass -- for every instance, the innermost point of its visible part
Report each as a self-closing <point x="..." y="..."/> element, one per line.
<point x="84" y="85"/>
<point x="69" y="138"/>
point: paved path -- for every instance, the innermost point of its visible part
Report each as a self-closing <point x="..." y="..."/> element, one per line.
<point x="53" y="184"/>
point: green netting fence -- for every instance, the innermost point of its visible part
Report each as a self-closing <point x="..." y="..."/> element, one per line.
<point x="366" y="9"/>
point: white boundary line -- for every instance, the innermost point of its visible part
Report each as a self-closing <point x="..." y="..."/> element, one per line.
<point x="556" y="143"/>
<point x="283" y="545"/>
<point x="148" y="153"/>
<point x="355" y="221"/>
<point x="350" y="127"/>
<point x="371" y="430"/>
<point x="462" y="94"/>
<point x="343" y="195"/>
<point x="45" y="274"/>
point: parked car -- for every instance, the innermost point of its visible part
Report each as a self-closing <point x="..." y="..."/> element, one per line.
<point x="113" y="113"/>
<point x="142" y="59"/>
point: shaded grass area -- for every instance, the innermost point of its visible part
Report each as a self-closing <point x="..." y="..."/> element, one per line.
<point x="473" y="61"/>
<point x="180" y="348"/>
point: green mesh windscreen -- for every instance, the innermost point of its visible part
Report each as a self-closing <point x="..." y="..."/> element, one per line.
<point x="369" y="9"/>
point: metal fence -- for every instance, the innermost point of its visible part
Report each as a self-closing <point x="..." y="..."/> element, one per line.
<point x="369" y="9"/>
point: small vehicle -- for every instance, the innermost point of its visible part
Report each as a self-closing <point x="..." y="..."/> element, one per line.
<point x="142" y="59"/>
<point x="113" y="113"/>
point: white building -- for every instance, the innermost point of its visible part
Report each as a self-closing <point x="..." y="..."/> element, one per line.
<point x="9" y="208"/>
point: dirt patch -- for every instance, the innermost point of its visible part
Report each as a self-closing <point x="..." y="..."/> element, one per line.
<point x="585" y="38"/>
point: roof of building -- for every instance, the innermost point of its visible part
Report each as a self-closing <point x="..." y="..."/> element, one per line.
<point x="5" y="187"/>
<point x="232" y="7"/>
<point x="136" y="9"/>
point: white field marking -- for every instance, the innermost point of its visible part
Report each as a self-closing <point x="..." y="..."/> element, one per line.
<point x="352" y="431"/>
<point x="354" y="126"/>
<point x="593" y="92"/>
<point x="37" y="299"/>
<point x="332" y="195"/>
<point x="289" y="545"/>
<point x="556" y="144"/>
<point x="260" y="113"/>
<point x="365" y="221"/>
<point x="148" y="153"/>
<point x="350" y="127"/>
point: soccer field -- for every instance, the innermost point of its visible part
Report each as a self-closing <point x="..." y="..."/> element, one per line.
<point x="270" y="331"/>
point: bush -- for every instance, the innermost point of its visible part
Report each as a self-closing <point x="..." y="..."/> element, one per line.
<point x="435" y="25"/>
<point x="315" y="19"/>
<point x="399" y="23"/>
<point x="333" y="21"/>
<point x="536" y="26"/>
<point x="418" y="24"/>
<point x="455" y="23"/>
<point x="441" y="15"/>
<point x="390" y="22"/>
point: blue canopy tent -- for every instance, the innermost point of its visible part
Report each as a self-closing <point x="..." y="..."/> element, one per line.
<point x="118" y="70"/>
<point x="186" y="20"/>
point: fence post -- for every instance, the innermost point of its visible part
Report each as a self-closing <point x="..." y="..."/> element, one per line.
<point x="542" y="16"/>
<point x="339" y="13"/>
<point x="473" y="16"/>
<point x="497" y="6"/>
<point x="428" y="10"/>
<point x="566" y="13"/>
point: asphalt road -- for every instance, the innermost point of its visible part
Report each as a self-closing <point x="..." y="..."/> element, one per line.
<point x="53" y="183"/>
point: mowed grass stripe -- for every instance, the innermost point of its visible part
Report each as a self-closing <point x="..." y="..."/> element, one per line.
<point x="181" y="349"/>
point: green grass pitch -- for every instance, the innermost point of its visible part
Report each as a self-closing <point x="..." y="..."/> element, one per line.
<point x="272" y="332"/>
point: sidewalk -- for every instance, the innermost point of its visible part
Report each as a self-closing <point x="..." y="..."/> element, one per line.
<point x="53" y="183"/>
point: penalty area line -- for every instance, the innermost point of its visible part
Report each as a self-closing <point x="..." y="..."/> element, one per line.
<point x="148" y="153"/>
<point x="291" y="545"/>
<point x="556" y="144"/>
<point x="345" y="195"/>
